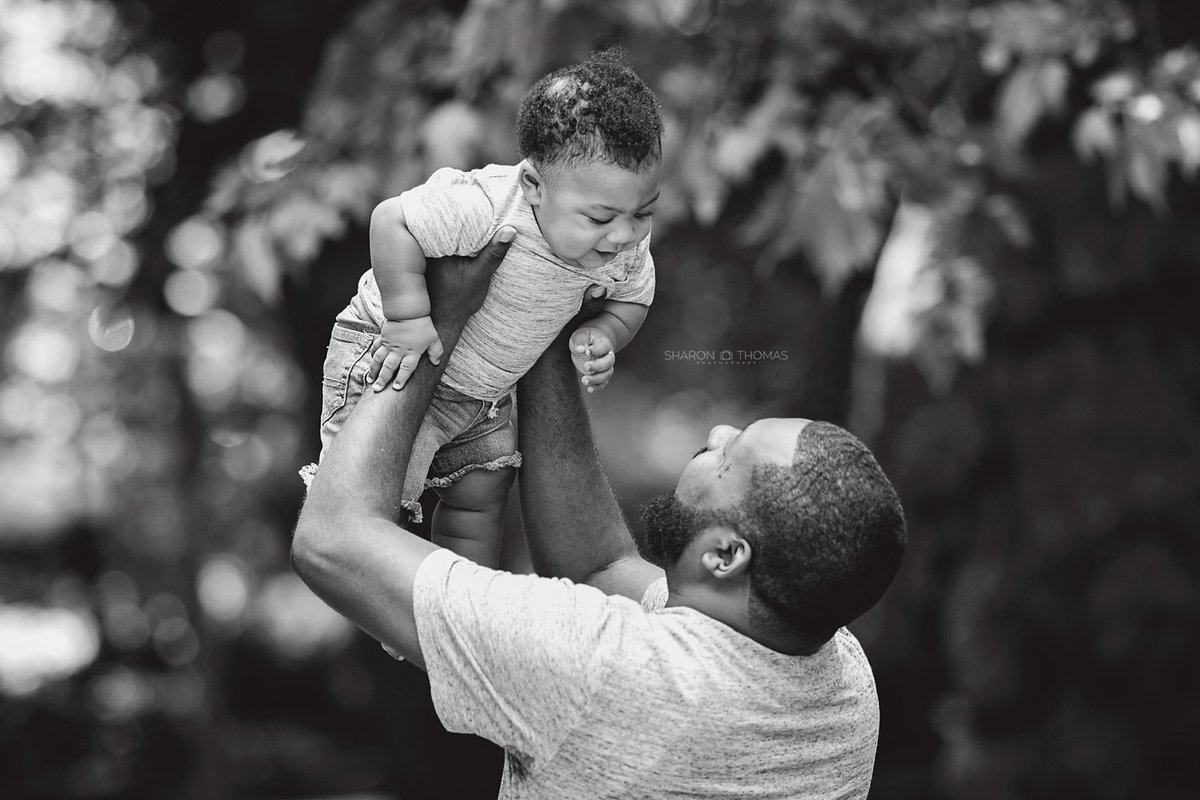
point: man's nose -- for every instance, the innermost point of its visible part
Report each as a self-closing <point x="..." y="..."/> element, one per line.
<point x="719" y="435"/>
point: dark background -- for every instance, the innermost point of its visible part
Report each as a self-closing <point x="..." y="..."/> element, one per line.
<point x="962" y="229"/>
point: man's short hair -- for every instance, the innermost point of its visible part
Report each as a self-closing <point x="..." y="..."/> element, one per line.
<point x="827" y="534"/>
<point x="596" y="110"/>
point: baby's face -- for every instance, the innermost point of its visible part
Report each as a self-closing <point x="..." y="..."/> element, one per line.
<point x="591" y="212"/>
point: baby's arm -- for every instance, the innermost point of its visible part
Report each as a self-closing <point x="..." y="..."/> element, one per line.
<point x="399" y="266"/>
<point x="595" y="342"/>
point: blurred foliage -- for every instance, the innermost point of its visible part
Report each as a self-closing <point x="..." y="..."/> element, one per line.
<point x="963" y="224"/>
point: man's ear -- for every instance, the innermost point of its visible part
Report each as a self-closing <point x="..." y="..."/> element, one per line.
<point x="532" y="184"/>
<point x="726" y="554"/>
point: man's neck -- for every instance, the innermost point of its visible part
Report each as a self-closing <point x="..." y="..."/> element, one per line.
<point x="731" y="611"/>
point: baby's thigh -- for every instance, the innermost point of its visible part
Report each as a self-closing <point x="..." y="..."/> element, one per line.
<point x="479" y="489"/>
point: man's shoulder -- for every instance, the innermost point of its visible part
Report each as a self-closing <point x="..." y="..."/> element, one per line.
<point x="851" y="653"/>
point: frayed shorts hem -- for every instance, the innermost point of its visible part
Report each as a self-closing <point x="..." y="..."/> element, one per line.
<point x="413" y="505"/>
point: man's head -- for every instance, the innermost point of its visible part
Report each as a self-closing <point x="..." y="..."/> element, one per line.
<point x="591" y="136"/>
<point x="798" y="513"/>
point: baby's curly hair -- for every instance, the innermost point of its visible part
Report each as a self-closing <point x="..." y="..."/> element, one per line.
<point x="597" y="110"/>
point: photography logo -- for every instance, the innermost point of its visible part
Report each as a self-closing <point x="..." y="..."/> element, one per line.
<point x="726" y="357"/>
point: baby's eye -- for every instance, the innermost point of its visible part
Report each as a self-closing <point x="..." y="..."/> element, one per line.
<point x="595" y="221"/>
<point x="645" y="214"/>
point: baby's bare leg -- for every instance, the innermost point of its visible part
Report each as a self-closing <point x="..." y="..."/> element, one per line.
<point x="468" y="519"/>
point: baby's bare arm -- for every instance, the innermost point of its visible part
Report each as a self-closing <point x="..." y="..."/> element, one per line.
<point x="398" y="263"/>
<point x="619" y="321"/>
<point x="399" y="266"/>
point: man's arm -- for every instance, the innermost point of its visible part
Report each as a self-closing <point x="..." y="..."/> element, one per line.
<point x="348" y="547"/>
<point x="572" y="521"/>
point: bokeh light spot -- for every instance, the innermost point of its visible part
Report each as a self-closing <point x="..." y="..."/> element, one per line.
<point x="44" y="353"/>
<point x="221" y="587"/>
<point x="117" y="267"/>
<point x="190" y="292"/>
<point x="39" y="645"/>
<point x="55" y="285"/>
<point x="111" y="329"/>
<point x="216" y="96"/>
<point x="195" y="242"/>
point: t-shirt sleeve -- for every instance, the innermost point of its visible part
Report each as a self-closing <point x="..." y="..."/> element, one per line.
<point x="511" y="658"/>
<point x="449" y="214"/>
<point x="655" y="596"/>
<point x="638" y="285"/>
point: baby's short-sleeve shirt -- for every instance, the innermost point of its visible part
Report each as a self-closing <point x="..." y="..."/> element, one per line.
<point x="533" y="293"/>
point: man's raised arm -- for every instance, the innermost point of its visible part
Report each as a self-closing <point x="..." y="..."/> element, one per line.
<point x="348" y="547"/>
<point x="572" y="521"/>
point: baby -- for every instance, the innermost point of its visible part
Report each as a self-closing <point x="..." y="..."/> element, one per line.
<point x="579" y="208"/>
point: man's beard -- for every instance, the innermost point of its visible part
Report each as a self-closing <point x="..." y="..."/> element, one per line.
<point x="668" y="527"/>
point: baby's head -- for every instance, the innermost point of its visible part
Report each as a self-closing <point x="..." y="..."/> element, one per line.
<point x="591" y="136"/>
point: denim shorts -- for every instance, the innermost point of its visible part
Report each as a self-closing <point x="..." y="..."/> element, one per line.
<point x="458" y="434"/>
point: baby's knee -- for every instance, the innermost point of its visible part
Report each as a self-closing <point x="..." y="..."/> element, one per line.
<point x="479" y="489"/>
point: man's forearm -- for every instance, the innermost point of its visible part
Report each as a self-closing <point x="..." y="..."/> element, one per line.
<point x="573" y="523"/>
<point x="348" y="547"/>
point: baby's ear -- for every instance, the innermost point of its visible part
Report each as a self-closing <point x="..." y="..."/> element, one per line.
<point x="533" y="185"/>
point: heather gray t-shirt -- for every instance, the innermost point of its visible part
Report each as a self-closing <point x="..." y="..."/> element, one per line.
<point x="594" y="696"/>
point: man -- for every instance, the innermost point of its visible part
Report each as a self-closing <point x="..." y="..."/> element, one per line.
<point x="733" y="677"/>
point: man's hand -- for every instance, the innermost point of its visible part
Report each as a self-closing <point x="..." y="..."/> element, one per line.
<point x="458" y="286"/>
<point x="593" y="356"/>
<point x="399" y="349"/>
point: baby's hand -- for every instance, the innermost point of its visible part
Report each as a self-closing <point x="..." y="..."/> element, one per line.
<point x="399" y="350"/>
<point x="592" y="352"/>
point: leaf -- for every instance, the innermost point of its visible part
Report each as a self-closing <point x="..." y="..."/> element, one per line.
<point x="837" y="239"/>
<point x="1188" y="130"/>
<point x="995" y="57"/>
<point x="272" y="156"/>
<point x="689" y="17"/>
<point x="1054" y="77"/>
<point x="260" y="266"/>
<point x="1147" y="172"/>
<point x="300" y="224"/>
<point x="737" y="150"/>
<point x="1020" y="104"/>
<point x="1008" y="217"/>
<point x="1114" y="88"/>
<point x="773" y="120"/>
<point x="348" y="187"/>
<point x="706" y="189"/>
<point x="452" y="134"/>
<point x="1095" y="134"/>
<point x="888" y="324"/>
